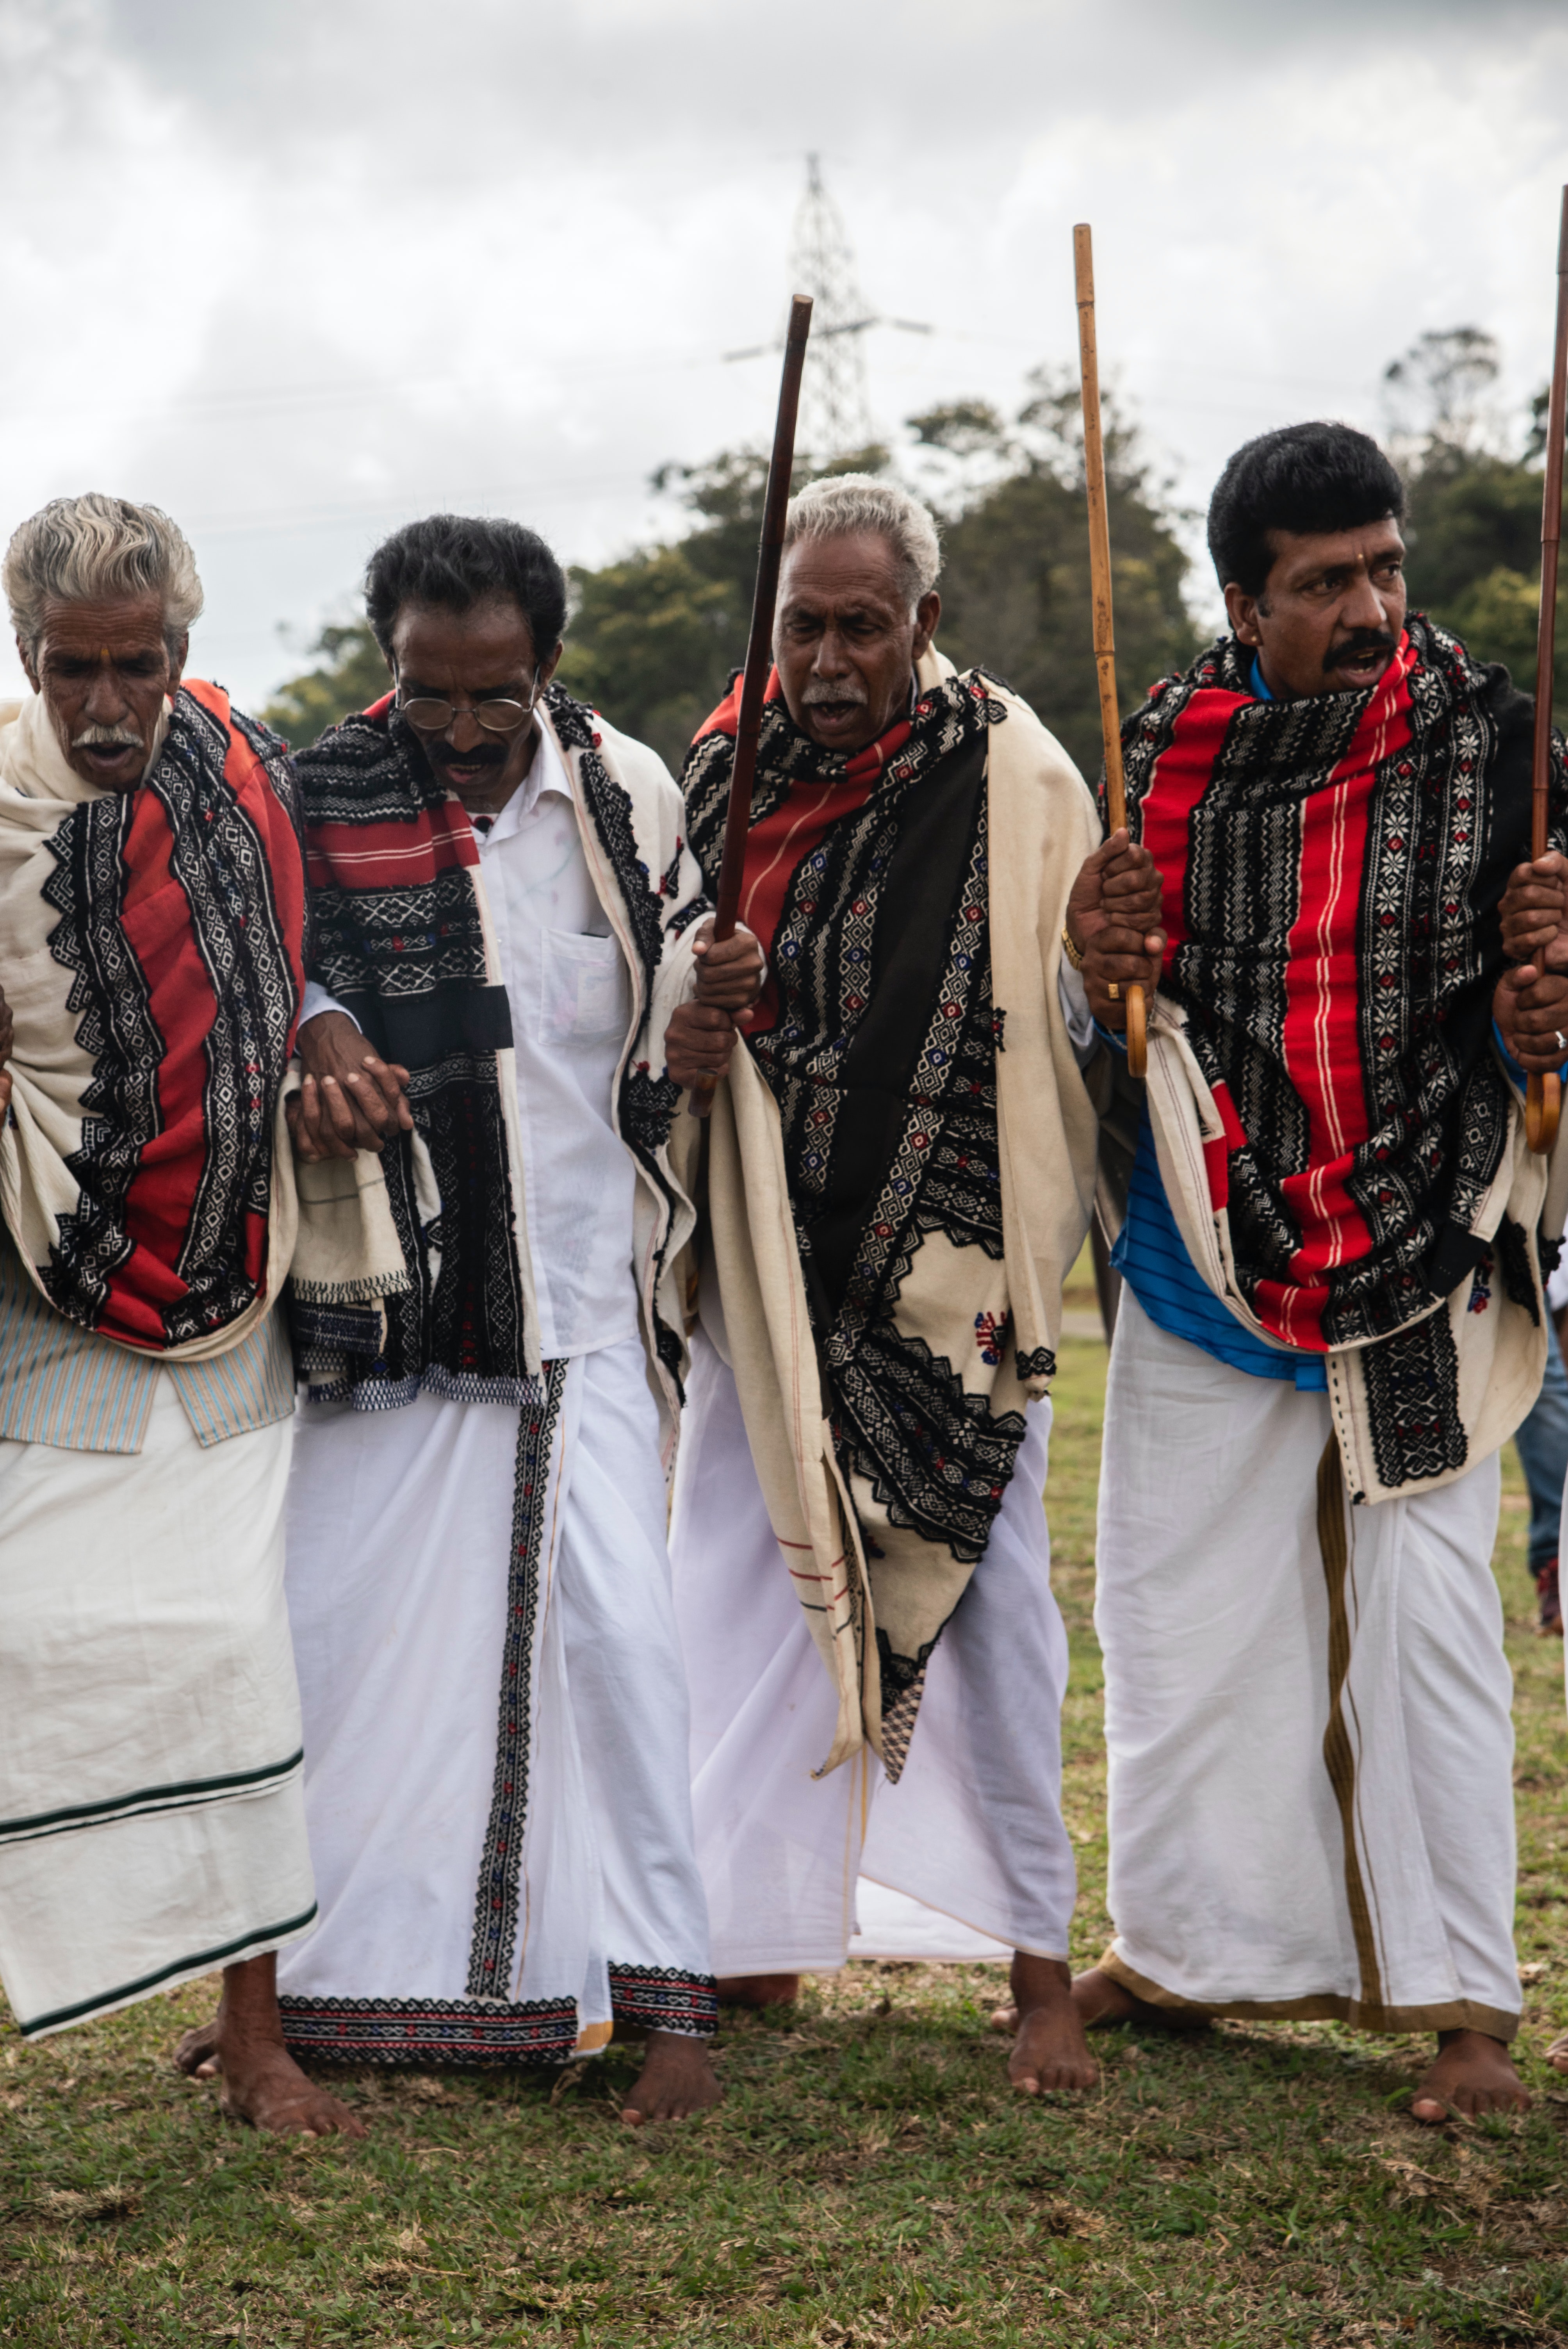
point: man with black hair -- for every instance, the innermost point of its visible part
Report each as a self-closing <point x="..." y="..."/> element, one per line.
<point x="509" y="926"/>
<point x="1332" y="1244"/>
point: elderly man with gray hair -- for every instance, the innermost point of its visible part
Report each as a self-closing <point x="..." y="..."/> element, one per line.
<point x="153" y="914"/>
<point x="898" y="1174"/>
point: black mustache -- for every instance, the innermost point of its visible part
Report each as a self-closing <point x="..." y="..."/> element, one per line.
<point x="1363" y="640"/>
<point x="483" y="754"/>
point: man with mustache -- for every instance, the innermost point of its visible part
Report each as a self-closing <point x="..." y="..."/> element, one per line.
<point x="509" y="928"/>
<point x="152" y="918"/>
<point x="1332" y="1246"/>
<point x="898" y="1176"/>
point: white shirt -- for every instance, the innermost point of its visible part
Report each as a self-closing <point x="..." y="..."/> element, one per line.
<point x="571" y="996"/>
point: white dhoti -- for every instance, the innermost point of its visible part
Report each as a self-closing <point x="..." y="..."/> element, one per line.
<point x="495" y="1728"/>
<point x="966" y="1856"/>
<point x="1273" y="1850"/>
<point x="151" y="1818"/>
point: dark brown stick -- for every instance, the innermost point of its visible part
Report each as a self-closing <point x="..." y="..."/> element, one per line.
<point x="1543" y="1095"/>
<point x="759" y="645"/>
<point x="1099" y="591"/>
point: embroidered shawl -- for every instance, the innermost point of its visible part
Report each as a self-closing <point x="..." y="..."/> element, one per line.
<point x="403" y="939"/>
<point x="152" y="946"/>
<point x="1332" y="871"/>
<point x="930" y="1288"/>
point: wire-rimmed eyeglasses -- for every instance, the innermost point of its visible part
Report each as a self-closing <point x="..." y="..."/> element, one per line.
<point x="428" y="715"/>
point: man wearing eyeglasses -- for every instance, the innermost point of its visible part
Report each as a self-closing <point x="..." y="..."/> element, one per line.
<point x="511" y="985"/>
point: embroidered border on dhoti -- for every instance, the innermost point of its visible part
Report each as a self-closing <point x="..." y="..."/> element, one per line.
<point x="500" y="1866"/>
<point x="430" y="2030"/>
<point x="663" y="1998"/>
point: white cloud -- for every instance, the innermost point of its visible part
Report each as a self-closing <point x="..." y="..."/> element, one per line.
<point x="297" y="271"/>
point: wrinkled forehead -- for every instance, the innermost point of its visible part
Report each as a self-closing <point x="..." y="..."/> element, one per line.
<point x="860" y="569"/>
<point x="84" y="630"/>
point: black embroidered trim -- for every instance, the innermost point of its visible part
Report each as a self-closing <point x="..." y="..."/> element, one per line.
<point x="938" y="1459"/>
<point x="395" y="2030"/>
<point x="1041" y="1363"/>
<point x="665" y="1998"/>
<point x="900" y="1674"/>
<point x="500" y="1865"/>
<point x="1413" y="1402"/>
<point x="1513" y="1244"/>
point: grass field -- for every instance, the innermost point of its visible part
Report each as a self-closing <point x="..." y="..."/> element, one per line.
<point x="869" y="2181"/>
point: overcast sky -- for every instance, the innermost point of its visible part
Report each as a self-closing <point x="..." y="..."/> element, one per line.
<point x="298" y="269"/>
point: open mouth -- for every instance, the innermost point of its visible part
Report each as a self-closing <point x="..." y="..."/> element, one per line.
<point x="1361" y="660"/>
<point x="108" y="755"/>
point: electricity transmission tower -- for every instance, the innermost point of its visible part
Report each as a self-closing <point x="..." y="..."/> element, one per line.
<point x="835" y="416"/>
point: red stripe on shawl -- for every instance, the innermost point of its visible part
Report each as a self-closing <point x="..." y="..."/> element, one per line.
<point x="158" y="928"/>
<point x="1181" y="776"/>
<point x="1217" y="1154"/>
<point x="1321" y="1036"/>
<point x="780" y="841"/>
<point x="392" y="855"/>
<point x="1322" y="1039"/>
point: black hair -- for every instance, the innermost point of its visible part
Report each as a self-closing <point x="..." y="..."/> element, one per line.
<point x="453" y="561"/>
<point x="1306" y="478"/>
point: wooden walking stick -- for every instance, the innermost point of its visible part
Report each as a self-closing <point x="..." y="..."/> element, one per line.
<point x="1099" y="589"/>
<point x="758" y="646"/>
<point x="1543" y="1095"/>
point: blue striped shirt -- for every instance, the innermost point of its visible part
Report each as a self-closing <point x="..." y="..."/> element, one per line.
<point x="1152" y="1257"/>
<point x="64" y="1385"/>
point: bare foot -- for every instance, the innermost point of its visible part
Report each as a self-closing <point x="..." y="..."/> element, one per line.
<point x="262" y="2082"/>
<point x="758" y="1990"/>
<point x="196" y="2054"/>
<point x="1102" y="2001"/>
<point x="1473" y="2074"/>
<point x="1557" y="2054"/>
<point x="1050" y="2056"/>
<point x="677" y="2080"/>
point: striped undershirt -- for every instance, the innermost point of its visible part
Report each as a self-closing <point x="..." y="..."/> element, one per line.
<point x="64" y="1385"/>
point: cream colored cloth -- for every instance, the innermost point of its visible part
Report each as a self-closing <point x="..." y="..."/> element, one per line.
<point x="151" y="1806"/>
<point x="1041" y="826"/>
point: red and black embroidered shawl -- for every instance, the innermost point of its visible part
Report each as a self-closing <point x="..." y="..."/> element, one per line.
<point x="868" y="881"/>
<point x="1332" y="869"/>
<point x="400" y="941"/>
<point x="182" y="917"/>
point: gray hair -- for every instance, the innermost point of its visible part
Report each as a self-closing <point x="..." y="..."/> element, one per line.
<point x="847" y="503"/>
<point x="80" y="550"/>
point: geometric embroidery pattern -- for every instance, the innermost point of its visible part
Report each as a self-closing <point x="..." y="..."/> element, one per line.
<point x="496" y="1903"/>
<point x="663" y="1998"/>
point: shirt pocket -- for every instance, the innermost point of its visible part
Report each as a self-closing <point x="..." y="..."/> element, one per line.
<point x="585" y="996"/>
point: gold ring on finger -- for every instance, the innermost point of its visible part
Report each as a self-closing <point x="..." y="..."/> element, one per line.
<point x="1113" y="988"/>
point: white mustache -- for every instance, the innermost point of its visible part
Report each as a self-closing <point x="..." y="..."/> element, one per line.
<point x="823" y="689"/>
<point x="96" y="737"/>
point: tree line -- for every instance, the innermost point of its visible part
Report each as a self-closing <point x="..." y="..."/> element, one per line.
<point x="655" y="636"/>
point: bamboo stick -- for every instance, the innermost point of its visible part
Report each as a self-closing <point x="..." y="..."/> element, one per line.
<point x="1099" y="589"/>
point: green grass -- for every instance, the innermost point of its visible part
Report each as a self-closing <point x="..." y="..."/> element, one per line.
<point x="869" y="2180"/>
